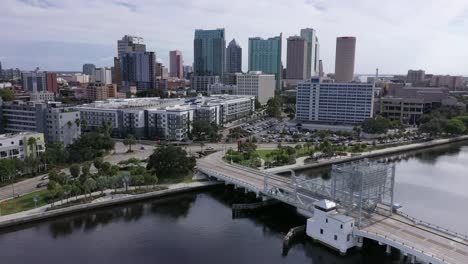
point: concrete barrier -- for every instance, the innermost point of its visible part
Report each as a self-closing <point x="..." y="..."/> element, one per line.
<point x="24" y="219"/>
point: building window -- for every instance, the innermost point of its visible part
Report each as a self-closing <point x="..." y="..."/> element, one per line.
<point x="326" y="220"/>
<point x="348" y="237"/>
<point x="341" y="226"/>
<point x="336" y="237"/>
<point x="321" y="231"/>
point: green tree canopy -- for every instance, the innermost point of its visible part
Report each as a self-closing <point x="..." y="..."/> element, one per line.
<point x="455" y="127"/>
<point x="378" y="125"/>
<point x="7" y="95"/>
<point x="169" y="161"/>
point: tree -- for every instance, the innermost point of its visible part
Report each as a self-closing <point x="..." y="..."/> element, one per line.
<point x="258" y="105"/>
<point x="75" y="190"/>
<point x="102" y="183"/>
<point x="129" y="141"/>
<point x="273" y="108"/>
<point x="7" y="95"/>
<point x="150" y="179"/>
<point x="75" y="170"/>
<point x="170" y="161"/>
<point x="89" y="185"/>
<point x="455" y="127"/>
<point x="85" y="169"/>
<point x="434" y="127"/>
<point x="378" y="125"/>
<point x="203" y="130"/>
<point x="32" y="144"/>
<point x="98" y="162"/>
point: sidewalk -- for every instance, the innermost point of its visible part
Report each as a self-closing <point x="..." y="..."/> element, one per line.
<point x="41" y="212"/>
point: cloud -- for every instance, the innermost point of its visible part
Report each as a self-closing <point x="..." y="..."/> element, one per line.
<point x="130" y="7"/>
<point x="391" y="35"/>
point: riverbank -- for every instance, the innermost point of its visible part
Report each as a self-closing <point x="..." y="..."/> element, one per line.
<point x="41" y="213"/>
<point x="301" y="165"/>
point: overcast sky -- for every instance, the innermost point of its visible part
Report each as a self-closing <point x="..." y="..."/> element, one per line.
<point x="392" y="35"/>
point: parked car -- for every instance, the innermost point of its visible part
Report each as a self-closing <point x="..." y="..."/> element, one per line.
<point x="46" y="177"/>
<point x="41" y="184"/>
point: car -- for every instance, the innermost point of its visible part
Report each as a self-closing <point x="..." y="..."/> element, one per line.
<point x="142" y="148"/>
<point x="41" y="184"/>
<point x="45" y="177"/>
<point x="209" y="148"/>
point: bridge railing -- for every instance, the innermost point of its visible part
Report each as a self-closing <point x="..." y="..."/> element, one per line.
<point x="218" y="175"/>
<point x="405" y="245"/>
<point x="433" y="226"/>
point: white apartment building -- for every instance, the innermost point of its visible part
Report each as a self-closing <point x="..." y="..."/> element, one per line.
<point x="63" y="125"/>
<point x="42" y="96"/>
<point x="334" y="103"/>
<point x="254" y="83"/>
<point x="170" y="123"/>
<point x="15" y="146"/>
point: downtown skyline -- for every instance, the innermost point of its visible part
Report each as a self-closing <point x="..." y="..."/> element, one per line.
<point x="395" y="37"/>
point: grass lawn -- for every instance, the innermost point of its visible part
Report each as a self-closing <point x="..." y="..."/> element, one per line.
<point x="263" y="152"/>
<point x="174" y="180"/>
<point x="24" y="202"/>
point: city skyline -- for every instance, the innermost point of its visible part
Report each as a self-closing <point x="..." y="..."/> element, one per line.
<point x="65" y="42"/>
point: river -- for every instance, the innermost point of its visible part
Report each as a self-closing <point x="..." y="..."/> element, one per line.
<point x="199" y="227"/>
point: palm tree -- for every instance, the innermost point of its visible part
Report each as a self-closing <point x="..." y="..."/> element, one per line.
<point x="77" y="122"/>
<point x="129" y="141"/>
<point x="32" y="144"/>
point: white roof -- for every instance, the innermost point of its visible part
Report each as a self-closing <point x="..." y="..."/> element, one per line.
<point x="325" y="204"/>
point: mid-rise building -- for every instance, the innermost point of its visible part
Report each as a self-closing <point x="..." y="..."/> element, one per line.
<point x="102" y="75"/>
<point x="43" y="96"/>
<point x="130" y="44"/>
<point x="265" y="56"/>
<point x="15" y="146"/>
<point x="209" y="52"/>
<point x="48" y="118"/>
<point x="169" y="119"/>
<point x="233" y="57"/>
<point x="63" y="124"/>
<point x="176" y="64"/>
<point x="257" y="84"/>
<point x="313" y="51"/>
<point x="188" y="70"/>
<point x="408" y="104"/>
<point x="334" y="103"/>
<point x="117" y="72"/>
<point x="415" y="76"/>
<point x="88" y="69"/>
<point x="297" y="59"/>
<point x="451" y="82"/>
<point x="99" y="91"/>
<point x="344" y="61"/>
<point x="139" y="69"/>
<point x="201" y="83"/>
<point x="34" y="81"/>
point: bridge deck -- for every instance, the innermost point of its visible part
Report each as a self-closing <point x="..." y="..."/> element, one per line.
<point x="397" y="228"/>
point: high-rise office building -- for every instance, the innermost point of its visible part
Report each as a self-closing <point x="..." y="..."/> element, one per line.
<point x="209" y="52"/>
<point x="88" y="69"/>
<point x="313" y="51"/>
<point x="34" y="81"/>
<point x="139" y="68"/>
<point x="51" y="82"/>
<point x="233" y="57"/>
<point x="1" y="71"/>
<point x="102" y="75"/>
<point x="321" y="73"/>
<point x="117" y="72"/>
<point x="296" y="62"/>
<point x="130" y="44"/>
<point x="265" y="56"/>
<point x="176" y="64"/>
<point x="344" y="62"/>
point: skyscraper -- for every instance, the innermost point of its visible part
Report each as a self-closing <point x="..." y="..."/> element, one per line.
<point x="130" y="44"/>
<point x="176" y="64"/>
<point x="296" y="62"/>
<point x="1" y="71"/>
<point x="117" y="73"/>
<point x="265" y="56"/>
<point x="88" y="69"/>
<point x="102" y="75"/>
<point x="344" y="62"/>
<point x="34" y="81"/>
<point x="233" y="57"/>
<point x="139" y="68"/>
<point x="209" y="52"/>
<point x="313" y="51"/>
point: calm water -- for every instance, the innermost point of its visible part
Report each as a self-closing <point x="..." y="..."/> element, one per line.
<point x="199" y="228"/>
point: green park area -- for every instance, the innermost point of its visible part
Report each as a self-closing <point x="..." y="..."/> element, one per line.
<point x="25" y="202"/>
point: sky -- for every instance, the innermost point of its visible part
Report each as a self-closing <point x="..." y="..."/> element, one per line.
<point x="393" y="36"/>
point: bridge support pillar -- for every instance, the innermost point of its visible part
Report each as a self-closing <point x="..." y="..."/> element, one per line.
<point x="360" y="242"/>
<point x="388" y="250"/>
